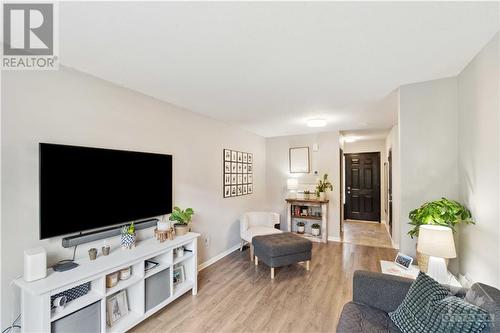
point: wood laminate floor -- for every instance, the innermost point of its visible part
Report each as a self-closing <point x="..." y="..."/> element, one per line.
<point x="366" y="233"/>
<point x="236" y="296"/>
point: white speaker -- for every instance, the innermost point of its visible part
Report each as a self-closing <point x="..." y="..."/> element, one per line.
<point x="35" y="264"/>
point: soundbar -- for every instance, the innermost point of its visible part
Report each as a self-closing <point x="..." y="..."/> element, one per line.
<point x="104" y="233"/>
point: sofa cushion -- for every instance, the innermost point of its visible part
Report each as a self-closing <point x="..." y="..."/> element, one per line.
<point x="360" y="318"/>
<point x="429" y="307"/>
<point x="488" y="298"/>
<point x="414" y="314"/>
<point x="251" y="232"/>
<point x="281" y="244"/>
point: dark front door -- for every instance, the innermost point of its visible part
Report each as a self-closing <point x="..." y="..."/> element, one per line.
<point x="362" y="186"/>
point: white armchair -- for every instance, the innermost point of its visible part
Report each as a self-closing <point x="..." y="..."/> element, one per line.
<point x="257" y="224"/>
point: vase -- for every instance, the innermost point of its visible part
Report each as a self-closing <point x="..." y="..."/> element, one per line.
<point x="181" y="229"/>
<point x="127" y="241"/>
<point x="322" y="196"/>
<point x="315" y="231"/>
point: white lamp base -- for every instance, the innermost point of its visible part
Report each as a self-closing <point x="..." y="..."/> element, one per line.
<point x="292" y="195"/>
<point x="437" y="269"/>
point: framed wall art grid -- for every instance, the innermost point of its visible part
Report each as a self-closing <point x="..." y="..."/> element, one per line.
<point x="238" y="173"/>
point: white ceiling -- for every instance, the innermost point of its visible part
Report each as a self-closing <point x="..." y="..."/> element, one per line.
<point x="269" y="67"/>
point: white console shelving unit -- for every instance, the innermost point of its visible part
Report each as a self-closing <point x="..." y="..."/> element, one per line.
<point x="322" y="219"/>
<point x="35" y="296"/>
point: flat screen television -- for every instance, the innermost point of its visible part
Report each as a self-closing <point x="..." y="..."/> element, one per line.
<point x="85" y="188"/>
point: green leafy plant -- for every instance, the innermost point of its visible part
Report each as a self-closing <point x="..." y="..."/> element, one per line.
<point x="316" y="226"/>
<point x="323" y="185"/>
<point x="301" y="224"/>
<point x="442" y="212"/>
<point x="180" y="216"/>
<point x="128" y="229"/>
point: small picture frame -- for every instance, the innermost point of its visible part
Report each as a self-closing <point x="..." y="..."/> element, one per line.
<point x="116" y="307"/>
<point x="240" y="157"/>
<point x="250" y="168"/>
<point x="245" y="189"/>
<point x="233" y="156"/>
<point x="233" y="191"/>
<point x="250" y="178"/>
<point x="234" y="167"/>
<point x="245" y="157"/>
<point x="403" y="260"/>
<point x="234" y="179"/>
<point x="245" y="168"/>
<point x="227" y="155"/>
<point x="227" y="191"/>
<point x="240" y="179"/>
<point x="250" y="188"/>
<point x="179" y="275"/>
<point x="240" y="167"/>
<point x="250" y="158"/>
<point x="227" y="179"/>
<point x="227" y="167"/>
<point x="240" y="189"/>
<point x="245" y="178"/>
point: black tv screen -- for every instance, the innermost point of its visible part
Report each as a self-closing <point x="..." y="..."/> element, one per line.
<point x="87" y="188"/>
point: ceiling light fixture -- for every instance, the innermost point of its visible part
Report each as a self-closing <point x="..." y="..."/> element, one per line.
<point x="350" y="139"/>
<point x="316" y="123"/>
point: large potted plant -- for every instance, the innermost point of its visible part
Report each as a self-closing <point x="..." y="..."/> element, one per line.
<point x="182" y="220"/>
<point x="322" y="186"/>
<point x="442" y="212"/>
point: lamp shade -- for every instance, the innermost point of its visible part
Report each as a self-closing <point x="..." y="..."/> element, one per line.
<point x="292" y="183"/>
<point x="436" y="241"/>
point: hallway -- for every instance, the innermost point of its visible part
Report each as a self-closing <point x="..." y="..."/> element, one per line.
<point x="366" y="233"/>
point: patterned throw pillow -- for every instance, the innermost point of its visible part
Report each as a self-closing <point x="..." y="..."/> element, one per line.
<point x="429" y="307"/>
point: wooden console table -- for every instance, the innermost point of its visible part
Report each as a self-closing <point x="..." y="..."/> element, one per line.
<point x="316" y="211"/>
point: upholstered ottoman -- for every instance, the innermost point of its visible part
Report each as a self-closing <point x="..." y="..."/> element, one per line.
<point x="281" y="249"/>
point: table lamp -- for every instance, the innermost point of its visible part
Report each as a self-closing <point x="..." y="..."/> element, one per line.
<point x="292" y="184"/>
<point x="436" y="242"/>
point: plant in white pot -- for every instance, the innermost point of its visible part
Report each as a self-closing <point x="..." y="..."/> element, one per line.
<point x="322" y="186"/>
<point x="301" y="227"/>
<point x="443" y="212"/>
<point x="182" y="220"/>
<point x="315" y="229"/>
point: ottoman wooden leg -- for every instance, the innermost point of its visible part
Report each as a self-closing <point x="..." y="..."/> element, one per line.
<point x="272" y="272"/>
<point x="307" y="264"/>
<point x="256" y="261"/>
<point x="251" y="252"/>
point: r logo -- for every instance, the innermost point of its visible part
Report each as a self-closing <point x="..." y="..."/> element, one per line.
<point x="28" y="29"/>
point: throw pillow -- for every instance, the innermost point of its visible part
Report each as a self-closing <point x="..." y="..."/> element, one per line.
<point x="429" y="307"/>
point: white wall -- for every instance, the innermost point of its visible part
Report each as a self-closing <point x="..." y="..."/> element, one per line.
<point x="478" y="121"/>
<point x="69" y="107"/>
<point x="428" y="147"/>
<point x="325" y="160"/>
<point x="372" y="146"/>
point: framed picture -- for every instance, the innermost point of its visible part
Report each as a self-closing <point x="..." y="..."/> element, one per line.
<point x="240" y="167"/>
<point x="233" y="190"/>
<point x="116" y="307"/>
<point x="403" y="260"/>
<point x="245" y="168"/>
<point x="233" y="156"/>
<point x="250" y="158"/>
<point x="250" y="179"/>
<point x="227" y="167"/>
<point x="234" y="167"/>
<point x="245" y="157"/>
<point x="240" y="179"/>
<point x="233" y="179"/>
<point x="240" y="156"/>
<point x="227" y="155"/>
<point x="299" y="160"/>
<point x="179" y="275"/>
<point x="245" y="178"/>
<point x="250" y="168"/>
<point x="245" y="189"/>
<point x="227" y="179"/>
<point x="237" y="175"/>
<point x="250" y="188"/>
<point x="240" y="189"/>
<point x="227" y="191"/>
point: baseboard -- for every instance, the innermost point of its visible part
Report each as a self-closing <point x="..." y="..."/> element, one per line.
<point x="218" y="257"/>
<point x="334" y="239"/>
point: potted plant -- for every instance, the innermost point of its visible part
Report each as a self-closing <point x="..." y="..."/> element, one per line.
<point x="315" y="229"/>
<point x="301" y="227"/>
<point x="127" y="239"/>
<point x="182" y="220"/>
<point x="307" y="195"/>
<point x="322" y="186"/>
<point x="442" y="212"/>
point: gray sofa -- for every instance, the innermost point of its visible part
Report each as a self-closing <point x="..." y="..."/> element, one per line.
<point x="376" y="294"/>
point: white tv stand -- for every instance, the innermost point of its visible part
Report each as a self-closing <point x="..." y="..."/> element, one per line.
<point x="35" y="296"/>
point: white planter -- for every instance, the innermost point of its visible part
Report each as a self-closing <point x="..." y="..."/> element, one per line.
<point x="322" y="196"/>
<point x="315" y="232"/>
<point x="301" y="229"/>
